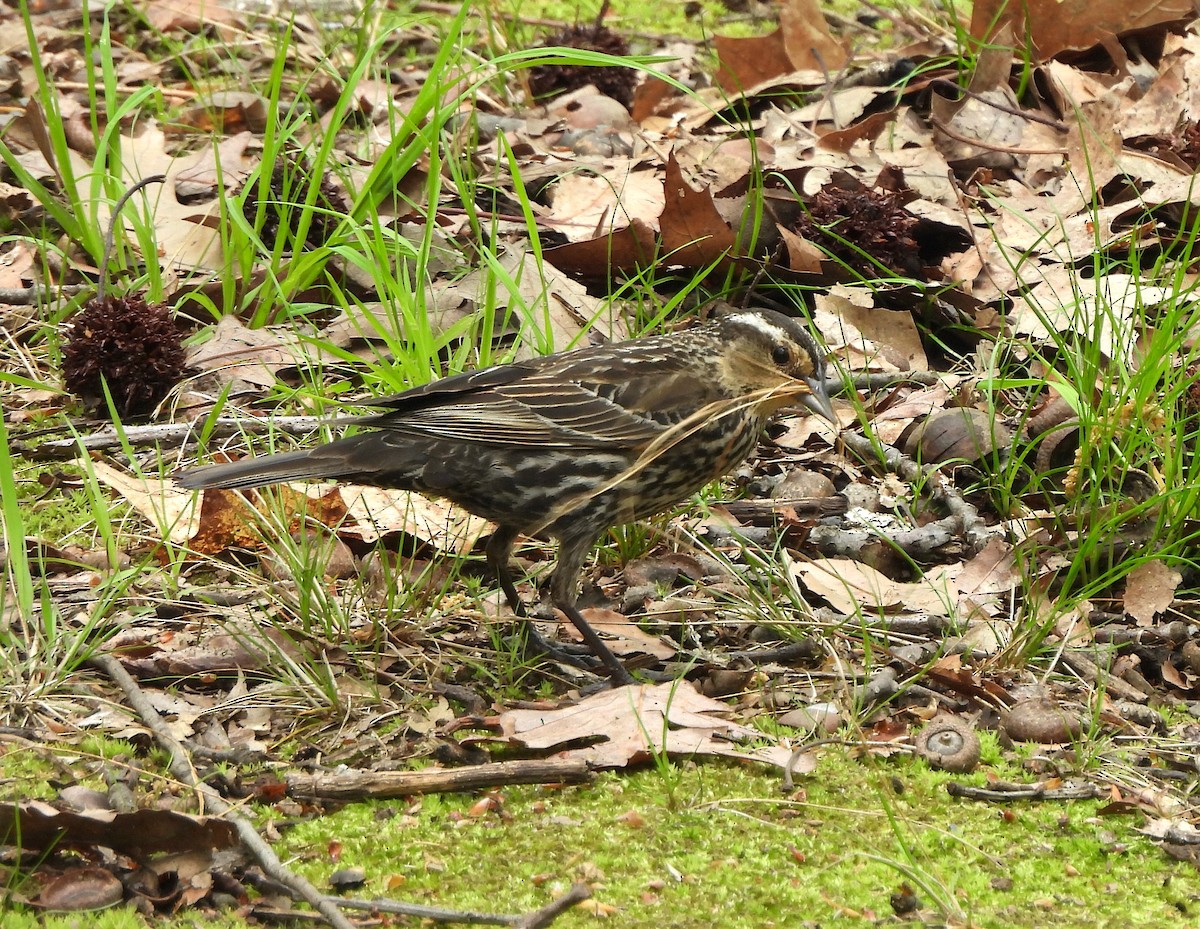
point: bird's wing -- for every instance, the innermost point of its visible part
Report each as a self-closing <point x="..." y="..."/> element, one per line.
<point x="537" y="415"/>
<point x="456" y="388"/>
<point x="589" y="398"/>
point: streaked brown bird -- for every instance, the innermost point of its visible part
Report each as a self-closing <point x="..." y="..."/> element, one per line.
<point x="574" y="443"/>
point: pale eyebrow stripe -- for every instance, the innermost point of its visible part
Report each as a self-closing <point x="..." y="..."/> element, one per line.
<point x="771" y="331"/>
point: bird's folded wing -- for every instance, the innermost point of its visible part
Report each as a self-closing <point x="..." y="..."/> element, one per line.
<point x="531" y="413"/>
<point x="595" y="397"/>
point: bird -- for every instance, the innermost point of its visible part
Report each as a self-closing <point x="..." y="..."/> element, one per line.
<point x="571" y="444"/>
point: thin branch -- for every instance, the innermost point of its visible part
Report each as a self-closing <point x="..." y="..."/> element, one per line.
<point x="180" y="766"/>
<point x="41" y="293"/>
<point x="170" y="433"/>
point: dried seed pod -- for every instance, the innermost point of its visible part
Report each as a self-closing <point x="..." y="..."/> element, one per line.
<point x="1057" y="450"/>
<point x="863" y="228"/>
<point x="962" y="434"/>
<point x="1056" y="430"/>
<point x="130" y="346"/>
<point x="283" y="198"/>
<point x="1039" y="720"/>
<point x="1056" y="412"/>
<point x="1189" y="655"/>
<point x="616" y="82"/>
<point x="122" y="345"/>
<point x="949" y="744"/>
<point x="724" y="682"/>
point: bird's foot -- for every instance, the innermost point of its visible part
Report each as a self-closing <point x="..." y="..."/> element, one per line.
<point x="576" y="656"/>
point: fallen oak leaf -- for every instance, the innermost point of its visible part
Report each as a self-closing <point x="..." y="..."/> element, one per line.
<point x="634" y="723"/>
<point x="624" y="636"/>
<point x="139" y="833"/>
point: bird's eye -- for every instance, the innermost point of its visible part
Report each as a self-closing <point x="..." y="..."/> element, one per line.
<point x="781" y="355"/>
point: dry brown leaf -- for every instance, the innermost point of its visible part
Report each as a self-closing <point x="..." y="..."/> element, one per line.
<point x="852" y="587"/>
<point x="1179" y="678"/>
<point x="625" y="251"/>
<point x="893" y="331"/>
<point x="169" y="509"/>
<point x="694" y="234"/>
<point x="803" y="256"/>
<point x="843" y="109"/>
<point x="1058" y="25"/>
<point x="255" y="356"/>
<point x="377" y="511"/>
<point x="1150" y="590"/>
<point x="746" y="63"/>
<point x="206" y="169"/>
<point x="216" y="521"/>
<point x="992" y="571"/>
<point x="621" y="634"/>
<point x="891" y="423"/>
<point x="989" y="116"/>
<point x="80" y="888"/>
<point x="17" y="266"/>
<point x="807" y="38"/>
<point x="194" y="16"/>
<point x="140" y="833"/>
<point x="631" y="724"/>
<point x="834" y="314"/>
<point x="586" y="206"/>
<point x="801" y="43"/>
<point x="221" y="653"/>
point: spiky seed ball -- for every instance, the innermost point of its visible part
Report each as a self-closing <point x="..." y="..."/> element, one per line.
<point x="130" y="345"/>
<point x="555" y="80"/>
<point x="288" y="186"/>
<point x="852" y="224"/>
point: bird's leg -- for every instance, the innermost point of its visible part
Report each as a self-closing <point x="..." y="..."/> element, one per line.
<point x="499" y="552"/>
<point x="617" y="672"/>
<point x="563" y="594"/>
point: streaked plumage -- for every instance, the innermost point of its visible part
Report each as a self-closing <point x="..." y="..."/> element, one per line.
<point x="573" y="443"/>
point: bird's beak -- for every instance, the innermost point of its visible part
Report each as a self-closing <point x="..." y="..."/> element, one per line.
<point x="817" y="400"/>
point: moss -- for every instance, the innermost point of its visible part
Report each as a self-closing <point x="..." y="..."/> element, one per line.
<point x="719" y="840"/>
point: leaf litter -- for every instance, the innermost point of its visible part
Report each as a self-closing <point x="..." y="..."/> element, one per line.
<point x="926" y="225"/>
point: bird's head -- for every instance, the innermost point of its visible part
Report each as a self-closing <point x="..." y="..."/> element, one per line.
<point x="773" y="356"/>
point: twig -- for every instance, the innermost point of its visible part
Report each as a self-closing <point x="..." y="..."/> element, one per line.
<point x="180" y="766"/>
<point x="551" y="911"/>
<point x="40" y="293"/>
<point x="1007" y="793"/>
<point x="805" y="649"/>
<point x="941" y="83"/>
<point x="437" y="914"/>
<point x="451" y="9"/>
<point x="990" y="147"/>
<point x="962" y="516"/>
<point x="924" y="543"/>
<point x="355" y="785"/>
<point x="535" y="920"/>
<point x="110" y="235"/>
<point x="1092" y="673"/>
<point x="873" y="382"/>
<point x="170" y="92"/>
<point x="174" y="433"/>
<point x="898" y="22"/>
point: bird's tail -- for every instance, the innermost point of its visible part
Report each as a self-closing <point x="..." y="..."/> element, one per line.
<point x="256" y="472"/>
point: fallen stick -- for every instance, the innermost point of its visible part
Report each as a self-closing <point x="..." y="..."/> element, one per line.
<point x="329" y="908"/>
<point x="380" y="785"/>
